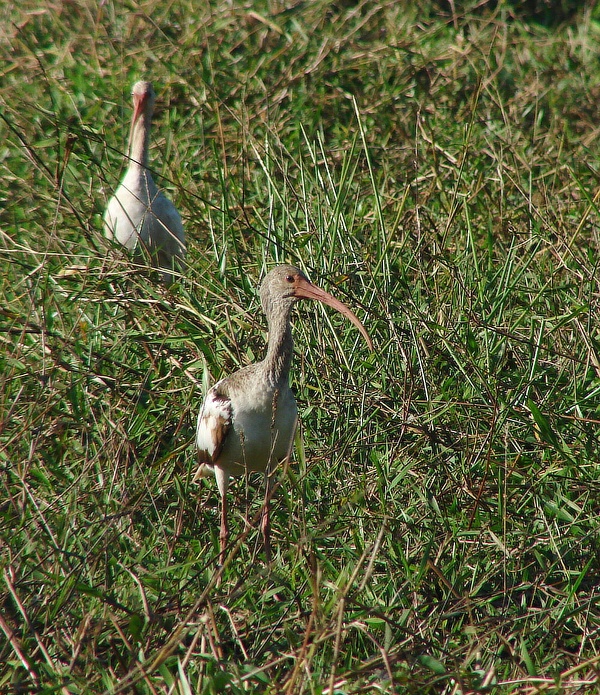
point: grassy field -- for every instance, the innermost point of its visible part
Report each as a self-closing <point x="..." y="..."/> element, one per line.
<point x="437" y="169"/>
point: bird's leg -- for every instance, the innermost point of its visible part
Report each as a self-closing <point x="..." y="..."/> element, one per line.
<point x="265" y="523"/>
<point x="224" y="533"/>
<point x="223" y="483"/>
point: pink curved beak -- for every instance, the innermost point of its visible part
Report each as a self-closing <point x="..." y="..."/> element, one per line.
<point x="306" y="290"/>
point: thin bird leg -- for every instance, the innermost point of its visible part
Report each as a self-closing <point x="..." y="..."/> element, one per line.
<point x="224" y="533"/>
<point x="223" y="483"/>
<point x="265" y="523"/>
<point x="288" y="456"/>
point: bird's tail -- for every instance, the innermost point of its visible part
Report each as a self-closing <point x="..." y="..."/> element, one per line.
<point x="204" y="470"/>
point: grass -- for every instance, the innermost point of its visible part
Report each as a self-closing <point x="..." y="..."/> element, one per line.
<point x="438" y="530"/>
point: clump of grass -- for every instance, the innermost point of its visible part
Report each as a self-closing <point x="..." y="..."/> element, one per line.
<point x="438" y="530"/>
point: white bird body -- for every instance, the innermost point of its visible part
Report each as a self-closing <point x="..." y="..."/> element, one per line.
<point x="248" y="419"/>
<point x="139" y="213"/>
<point x="262" y="418"/>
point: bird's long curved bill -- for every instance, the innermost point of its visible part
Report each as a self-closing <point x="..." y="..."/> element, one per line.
<point x="307" y="290"/>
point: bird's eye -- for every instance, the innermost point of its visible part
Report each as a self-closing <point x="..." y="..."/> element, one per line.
<point x="289" y="278"/>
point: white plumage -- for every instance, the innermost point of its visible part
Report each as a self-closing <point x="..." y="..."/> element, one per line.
<point x="249" y="431"/>
<point x="139" y="214"/>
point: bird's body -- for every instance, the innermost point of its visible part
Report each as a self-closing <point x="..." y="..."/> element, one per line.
<point x="261" y="417"/>
<point x="248" y="419"/>
<point x="139" y="214"/>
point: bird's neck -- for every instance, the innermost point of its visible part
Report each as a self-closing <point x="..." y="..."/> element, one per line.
<point x="139" y="142"/>
<point x="280" y="348"/>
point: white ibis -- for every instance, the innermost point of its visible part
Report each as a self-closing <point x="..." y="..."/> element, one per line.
<point x="138" y="212"/>
<point x="248" y="419"/>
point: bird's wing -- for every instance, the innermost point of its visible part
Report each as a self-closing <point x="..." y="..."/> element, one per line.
<point x="214" y="423"/>
<point x="170" y="234"/>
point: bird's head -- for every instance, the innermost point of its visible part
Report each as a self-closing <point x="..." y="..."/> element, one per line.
<point x="287" y="284"/>
<point x="143" y="99"/>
